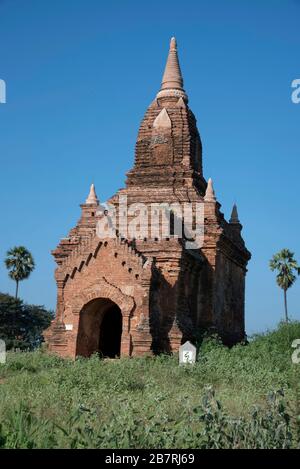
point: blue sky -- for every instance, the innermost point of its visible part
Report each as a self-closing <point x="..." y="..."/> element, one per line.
<point x="80" y="75"/>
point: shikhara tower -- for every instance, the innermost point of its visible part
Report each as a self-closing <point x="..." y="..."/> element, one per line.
<point x="125" y="296"/>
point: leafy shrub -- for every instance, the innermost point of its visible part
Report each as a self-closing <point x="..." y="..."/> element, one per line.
<point x="21" y="325"/>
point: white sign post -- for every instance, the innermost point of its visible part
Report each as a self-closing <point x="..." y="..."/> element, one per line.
<point x="2" y="351"/>
<point x="187" y="354"/>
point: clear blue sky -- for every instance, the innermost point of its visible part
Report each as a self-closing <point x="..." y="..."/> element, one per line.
<point x="80" y="75"/>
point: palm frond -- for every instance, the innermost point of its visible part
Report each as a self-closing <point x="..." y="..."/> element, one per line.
<point x="287" y="268"/>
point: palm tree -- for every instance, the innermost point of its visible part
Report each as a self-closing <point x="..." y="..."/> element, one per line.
<point x="286" y="266"/>
<point x="20" y="264"/>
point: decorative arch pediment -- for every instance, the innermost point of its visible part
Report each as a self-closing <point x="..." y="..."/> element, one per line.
<point x="103" y="289"/>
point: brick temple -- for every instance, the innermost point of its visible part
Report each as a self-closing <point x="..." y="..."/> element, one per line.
<point x="127" y="295"/>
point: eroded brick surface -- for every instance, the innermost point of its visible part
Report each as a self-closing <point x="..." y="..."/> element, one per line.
<point x="165" y="293"/>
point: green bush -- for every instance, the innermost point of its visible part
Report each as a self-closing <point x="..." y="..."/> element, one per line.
<point x="21" y="325"/>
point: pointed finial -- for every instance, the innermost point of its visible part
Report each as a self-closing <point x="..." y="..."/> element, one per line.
<point x="173" y="43"/>
<point x="172" y="77"/>
<point x="172" y="82"/>
<point x="234" y="215"/>
<point x="92" y="197"/>
<point x="210" y="193"/>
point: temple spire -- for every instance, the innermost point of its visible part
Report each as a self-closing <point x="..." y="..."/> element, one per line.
<point x="172" y="77"/>
<point x="172" y="81"/>
<point x="92" y="197"/>
<point x="210" y="193"/>
<point x="234" y="215"/>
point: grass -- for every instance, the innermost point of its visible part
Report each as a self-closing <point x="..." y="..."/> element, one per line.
<point x="243" y="397"/>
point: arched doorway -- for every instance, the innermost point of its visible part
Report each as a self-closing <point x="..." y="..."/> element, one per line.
<point x="100" y="329"/>
<point x="110" y="333"/>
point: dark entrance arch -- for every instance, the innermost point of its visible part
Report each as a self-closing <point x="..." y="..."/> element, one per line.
<point x="100" y="329"/>
<point x="110" y="333"/>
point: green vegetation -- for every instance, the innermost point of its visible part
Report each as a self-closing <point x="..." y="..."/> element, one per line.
<point x="21" y="325"/>
<point x="244" y="397"/>
<point x="19" y="263"/>
<point x="286" y="266"/>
